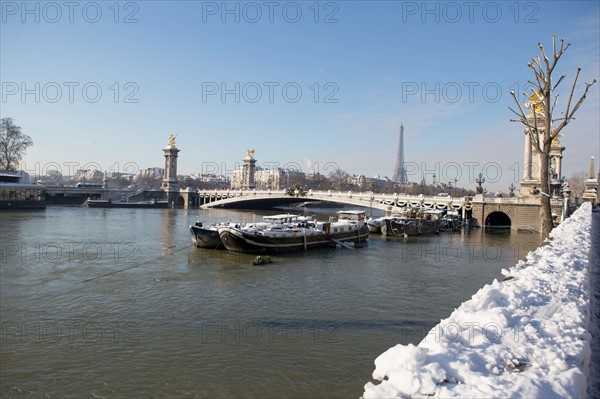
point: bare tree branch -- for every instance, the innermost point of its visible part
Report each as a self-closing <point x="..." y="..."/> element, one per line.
<point x="538" y="77"/>
<point x="572" y="91"/>
<point x="554" y="104"/>
<point x="546" y="61"/>
<point x="539" y="122"/>
<point x="569" y="117"/>
<point x="557" y="83"/>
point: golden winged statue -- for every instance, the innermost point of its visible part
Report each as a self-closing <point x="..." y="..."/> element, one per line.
<point x="172" y="140"/>
<point x="536" y="102"/>
<point x="250" y="152"/>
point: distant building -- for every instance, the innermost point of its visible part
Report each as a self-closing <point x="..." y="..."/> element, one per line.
<point x="376" y="183"/>
<point x="268" y="179"/>
<point x="209" y="178"/>
<point x="276" y="178"/>
<point x="53" y="177"/>
<point x="119" y="175"/>
<point x="88" y="174"/>
<point x="151" y="173"/>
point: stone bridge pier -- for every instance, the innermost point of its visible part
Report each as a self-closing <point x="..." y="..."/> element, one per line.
<point x="516" y="213"/>
<point x="188" y="198"/>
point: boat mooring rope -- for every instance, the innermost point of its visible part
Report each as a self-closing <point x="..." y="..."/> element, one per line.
<point x="139" y="264"/>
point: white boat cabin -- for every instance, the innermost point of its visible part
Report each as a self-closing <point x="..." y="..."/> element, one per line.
<point x="352" y="216"/>
<point x="285" y="218"/>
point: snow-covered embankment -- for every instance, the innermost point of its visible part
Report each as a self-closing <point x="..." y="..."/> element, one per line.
<point x="523" y="337"/>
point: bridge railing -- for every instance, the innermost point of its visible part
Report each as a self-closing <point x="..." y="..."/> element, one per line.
<point x="367" y="199"/>
<point x="329" y="193"/>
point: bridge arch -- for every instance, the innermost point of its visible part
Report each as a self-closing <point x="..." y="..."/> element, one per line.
<point x="498" y="219"/>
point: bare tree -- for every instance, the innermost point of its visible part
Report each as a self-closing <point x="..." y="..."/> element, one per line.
<point x="540" y="121"/>
<point x="339" y="179"/>
<point x="577" y="185"/>
<point x="13" y="144"/>
<point x="149" y="181"/>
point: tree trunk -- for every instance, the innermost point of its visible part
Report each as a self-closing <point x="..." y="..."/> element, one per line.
<point x="546" y="210"/>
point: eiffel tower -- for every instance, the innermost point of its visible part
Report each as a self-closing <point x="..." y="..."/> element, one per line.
<point x="400" y="171"/>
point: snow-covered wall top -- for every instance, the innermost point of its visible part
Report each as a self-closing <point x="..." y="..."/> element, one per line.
<point x="523" y="337"/>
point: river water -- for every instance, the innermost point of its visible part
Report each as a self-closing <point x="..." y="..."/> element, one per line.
<point x="116" y="303"/>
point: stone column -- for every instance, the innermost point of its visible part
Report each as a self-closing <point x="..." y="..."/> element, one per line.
<point x="591" y="184"/>
<point x="530" y="184"/>
<point x="248" y="171"/>
<point x="527" y="158"/>
<point x="169" y="182"/>
<point x="555" y="171"/>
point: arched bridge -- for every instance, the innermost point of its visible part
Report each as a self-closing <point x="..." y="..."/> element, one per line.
<point x="515" y="213"/>
<point x="252" y="198"/>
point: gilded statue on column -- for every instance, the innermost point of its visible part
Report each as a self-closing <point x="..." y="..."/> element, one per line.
<point x="536" y="102"/>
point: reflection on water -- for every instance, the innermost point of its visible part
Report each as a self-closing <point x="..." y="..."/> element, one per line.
<point x="116" y="303"/>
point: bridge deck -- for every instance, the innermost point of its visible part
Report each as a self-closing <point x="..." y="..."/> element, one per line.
<point x="229" y="198"/>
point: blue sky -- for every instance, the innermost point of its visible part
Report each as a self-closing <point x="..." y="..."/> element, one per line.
<point x="336" y="79"/>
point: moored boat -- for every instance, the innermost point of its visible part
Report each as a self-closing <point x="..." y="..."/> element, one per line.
<point x="101" y="203"/>
<point x="276" y="238"/>
<point x="451" y="221"/>
<point x="15" y="194"/>
<point x="374" y="225"/>
<point x="402" y="227"/>
<point x="206" y="236"/>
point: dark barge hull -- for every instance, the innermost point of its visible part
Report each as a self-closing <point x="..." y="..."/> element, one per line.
<point x="116" y="204"/>
<point x="393" y="228"/>
<point x="240" y="241"/>
<point x="22" y="204"/>
<point x="205" y="238"/>
<point x="374" y="228"/>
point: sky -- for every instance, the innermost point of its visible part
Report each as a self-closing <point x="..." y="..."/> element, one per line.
<point x="308" y="85"/>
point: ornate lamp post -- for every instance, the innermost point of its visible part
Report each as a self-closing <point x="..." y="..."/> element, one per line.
<point x="566" y="193"/>
<point x="450" y="186"/>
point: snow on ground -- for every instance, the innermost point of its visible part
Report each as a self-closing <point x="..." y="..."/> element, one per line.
<point x="523" y="337"/>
